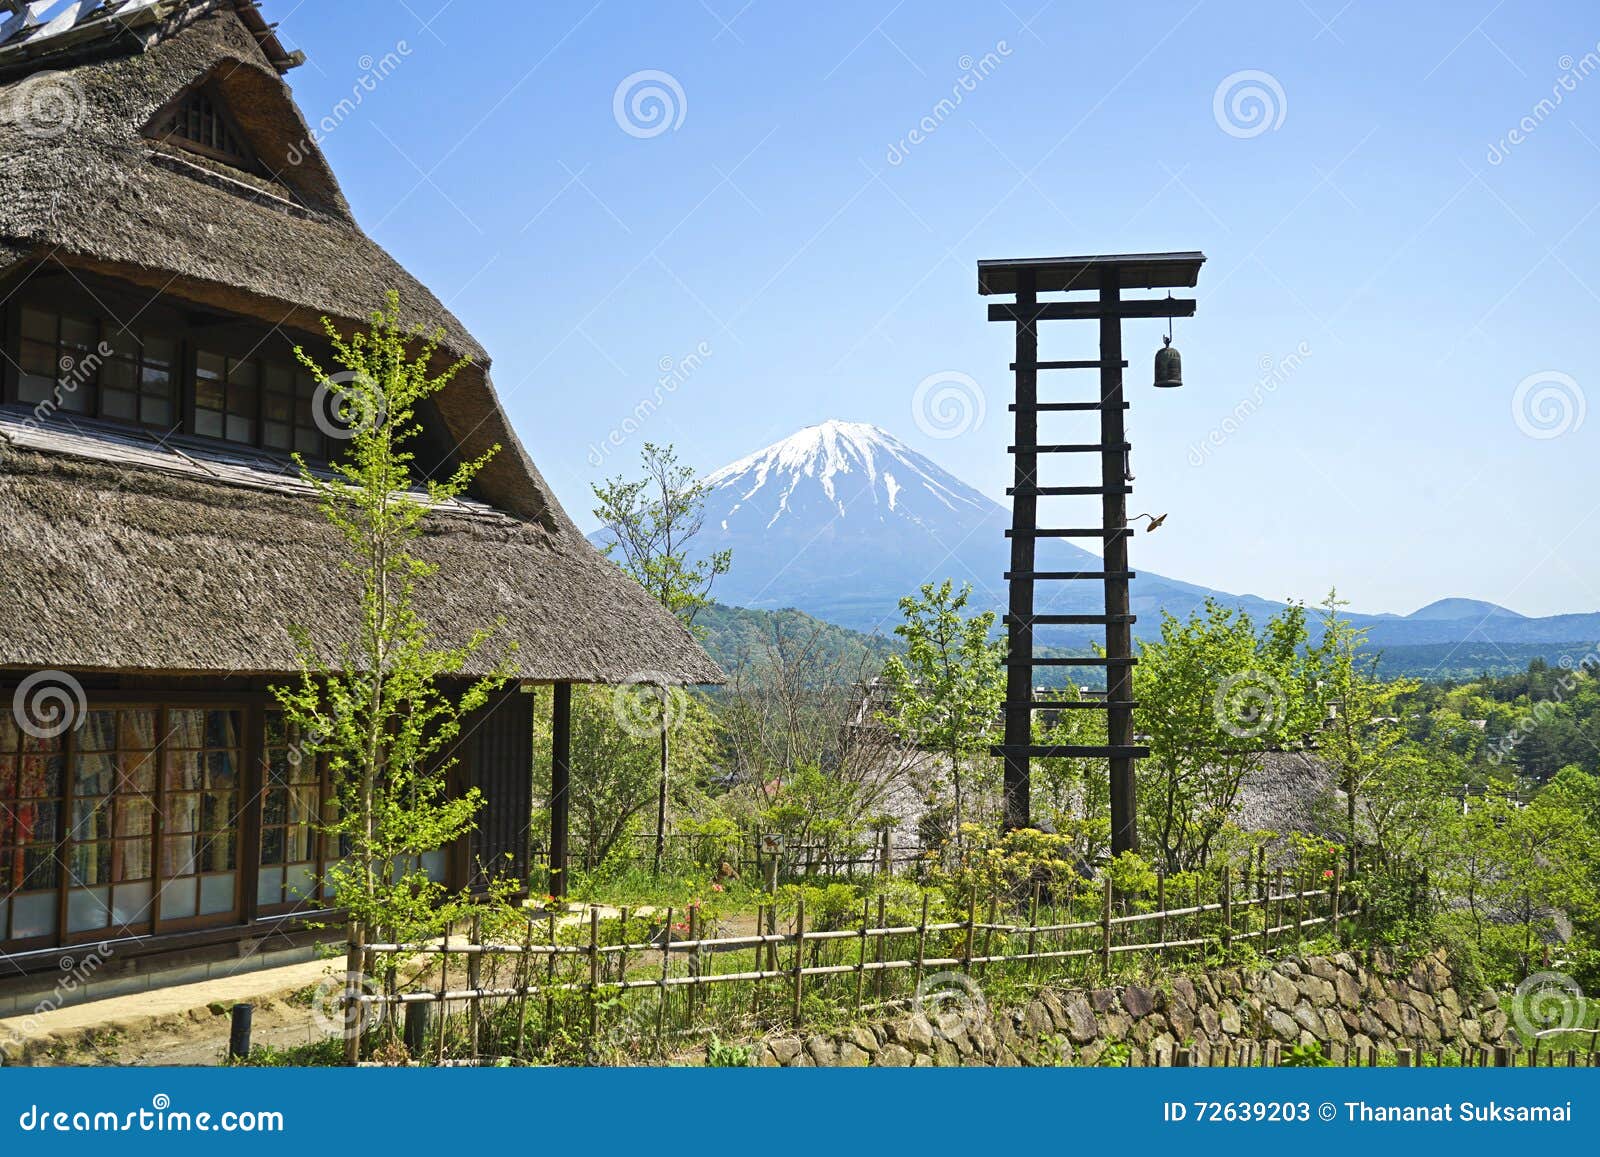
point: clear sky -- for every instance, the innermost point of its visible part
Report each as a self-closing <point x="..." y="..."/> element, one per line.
<point x="1426" y="280"/>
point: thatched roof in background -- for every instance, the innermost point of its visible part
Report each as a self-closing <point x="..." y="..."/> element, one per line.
<point x="125" y="566"/>
<point x="104" y="565"/>
<point x="1290" y="792"/>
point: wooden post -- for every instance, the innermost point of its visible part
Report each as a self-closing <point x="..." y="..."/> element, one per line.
<point x="560" y="783"/>
<point x="861" y="955"/>
<point x="1180" y="1058"/>
<point x="988" y="934"/>
<point x="1114" y="518"/>
<point x="594" y="974"/>
<point x="1333" y="901"/>
<point x="1024" y="513"/>
<point x="525" y="973"/>
<point x="666" y="971"/>
<point x="1227" y="910"/>
<point x="972" y="932"/>
<point x="550" y="981"/>
<point x="1402" y="1058"/>
<point x="1502" y="1057"/>
<point x="661" y="798"/>
<point x="1161" y="907"/>
<point x="694" y="963"/>
<point x="239" y="1032"/>
<point x="444" y="987"/>
<point x="1105" y="930"/>
<point x="1033" y="932"/>
<point x="922" y="944"/>
<point x="416" y="1030"/>
<point x="1299" y="909"/>
<point x="475" y="981"/>
<point x="883" y="946"/>
<point x="799" y="955"/>
<point x="352" y="989"/>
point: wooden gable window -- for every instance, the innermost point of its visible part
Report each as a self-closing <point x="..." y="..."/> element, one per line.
<point x="200" y="121"/>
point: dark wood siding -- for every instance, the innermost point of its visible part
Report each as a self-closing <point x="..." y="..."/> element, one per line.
<point x="499" y="763"/>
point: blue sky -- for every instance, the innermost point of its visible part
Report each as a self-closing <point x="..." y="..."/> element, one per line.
<point x="1424" y="287"/>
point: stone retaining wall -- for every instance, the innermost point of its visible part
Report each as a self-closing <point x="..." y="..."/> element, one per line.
<point x="1340" y="1002"/>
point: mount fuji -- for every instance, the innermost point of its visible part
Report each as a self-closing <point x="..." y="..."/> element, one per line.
<point x="843" y="519"/>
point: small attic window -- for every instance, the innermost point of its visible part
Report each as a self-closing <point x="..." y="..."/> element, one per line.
<point x="201" y="122"/>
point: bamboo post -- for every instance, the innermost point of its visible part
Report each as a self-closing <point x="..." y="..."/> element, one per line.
<point x="1333" y="901"/>
<point x="760" y="956"/>
<point x="666" y="971"/>
<point x="475" y="981"/>
<point x="525" y="974"/>
<point x="1161" y="907"/>
<point x="694" y="963"/>
<point x="1299" y="909"/>
<point x="972" y="932"/>
<point x="922" y="944"/>
<point x="799" y="955"/>
<point x="444" y="987"/>
<point x="861" y="955"/>
<point x="594" y="974"/>
<point x="883" y="946"/>
<point x="988" y="934"/>
<point x="1227" y="910"/>
<point x="1033" y="932"/>
<point x="1105" y="930"/>
<point x="550" y="981"/>
<point x="352" y="989"/>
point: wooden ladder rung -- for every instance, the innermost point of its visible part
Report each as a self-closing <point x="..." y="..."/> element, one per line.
<point x="1072" y="448"/>
<point x="1073" y="406"/>
<point x="1067" y="575"/>
<point x="1062" y="491"/>
<point x="1079" y="704"/>
<point x="1081" y="364"/>
<point x="1073" y="661"/>
<point x="1071" y="532"/>
<point x="1069" y="620"/>
<point x="1071" y="751"/>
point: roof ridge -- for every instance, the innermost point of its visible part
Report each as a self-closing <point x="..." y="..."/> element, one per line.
<point x="38" y="33"/>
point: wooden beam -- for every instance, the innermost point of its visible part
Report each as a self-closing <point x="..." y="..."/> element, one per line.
<point x="1093" y="310"/>
<point x="560" y="784"/>
<point x="1111" y="309"/>
<point x="1016" y="791"/>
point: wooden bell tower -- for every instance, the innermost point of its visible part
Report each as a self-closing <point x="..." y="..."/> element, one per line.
<point x="1054" y="289"/>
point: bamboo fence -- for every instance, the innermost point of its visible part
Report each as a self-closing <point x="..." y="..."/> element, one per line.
<point x="608" y="980"/>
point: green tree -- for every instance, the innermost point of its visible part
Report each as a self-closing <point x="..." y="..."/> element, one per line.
<point x="1362" y="738"/>
<point x="380" y="706"/>
<point x="946" y="693"/>
<point x="651" y="522"/>
<point x="1214" y="694"/>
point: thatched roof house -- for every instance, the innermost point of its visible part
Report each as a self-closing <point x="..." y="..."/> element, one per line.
<point x="169" y="231"/>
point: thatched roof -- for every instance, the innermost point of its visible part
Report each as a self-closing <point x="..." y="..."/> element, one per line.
<point x="110" y="562"/>
<point x="118" y="564"/>
<point x="1290" y="792"/>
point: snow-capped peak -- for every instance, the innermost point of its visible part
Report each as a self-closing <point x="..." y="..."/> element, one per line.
<point x="852" y="463"/>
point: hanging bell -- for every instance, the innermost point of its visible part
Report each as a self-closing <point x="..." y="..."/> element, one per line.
<point x="1169" y="366"/>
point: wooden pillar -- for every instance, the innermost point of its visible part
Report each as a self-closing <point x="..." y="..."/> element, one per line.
<point x="1024" y="516"/>
<point x="1119" y="631"/>
<point x="560" y="781"/>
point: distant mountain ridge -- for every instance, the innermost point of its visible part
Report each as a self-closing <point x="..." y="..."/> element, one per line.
<point x="842" y="519"/>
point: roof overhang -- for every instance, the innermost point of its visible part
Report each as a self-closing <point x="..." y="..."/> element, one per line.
<point x="1063" y="274"/>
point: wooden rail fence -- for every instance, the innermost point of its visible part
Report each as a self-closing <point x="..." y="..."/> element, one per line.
<point x="526" y="984"/>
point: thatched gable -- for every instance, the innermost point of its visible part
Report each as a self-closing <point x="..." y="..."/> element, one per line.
<point x="123" y="565"/>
